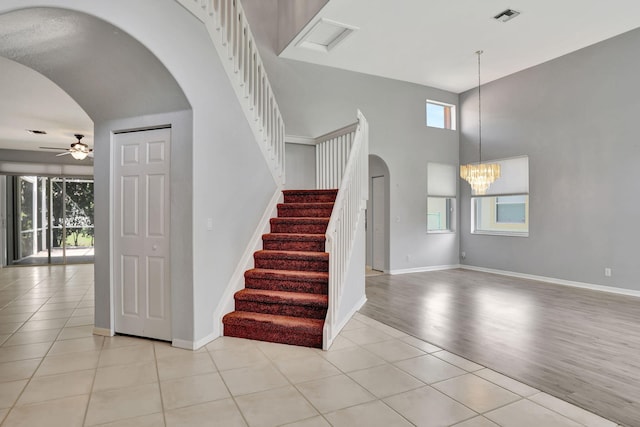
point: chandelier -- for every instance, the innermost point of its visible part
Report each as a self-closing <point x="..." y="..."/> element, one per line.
<point x="480" y="175"/>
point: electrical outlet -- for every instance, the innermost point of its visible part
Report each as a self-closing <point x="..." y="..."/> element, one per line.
<point x="607" y="272"/>
<point x="463" y="255"/>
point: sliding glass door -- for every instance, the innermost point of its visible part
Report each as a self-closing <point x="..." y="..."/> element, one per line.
<point x="50" y="220"/>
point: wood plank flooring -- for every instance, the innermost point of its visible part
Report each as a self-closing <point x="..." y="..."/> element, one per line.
<point x="579" y="345"/>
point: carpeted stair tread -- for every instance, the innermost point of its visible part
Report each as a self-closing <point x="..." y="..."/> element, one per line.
<point x="281" y="297"/>
<point x="299" y="225"/>
<point x="306" y="196"/>
<point x="314" y="282"/>
<point x="322" y="209"/>
<point x="294" y="242"/>
<point x="274" y="328"/>
<point x="292" y="260"/>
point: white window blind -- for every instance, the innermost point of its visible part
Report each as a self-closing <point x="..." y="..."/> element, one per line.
<point x="441" y="180"/>
<point x="514" y="177"/>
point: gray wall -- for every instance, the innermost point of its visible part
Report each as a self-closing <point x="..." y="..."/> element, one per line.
<point x="315" y="100"/>
<point x="576" y="118"/>
<point x="300" y="167"/>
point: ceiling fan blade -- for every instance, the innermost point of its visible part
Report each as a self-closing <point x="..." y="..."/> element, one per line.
<point x="53" y="148"/>
<point x="63" y="154"/>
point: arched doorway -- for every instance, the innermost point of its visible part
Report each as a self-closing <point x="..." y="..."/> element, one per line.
<point x="378" y="215"/>
<point x="122" y="87"/>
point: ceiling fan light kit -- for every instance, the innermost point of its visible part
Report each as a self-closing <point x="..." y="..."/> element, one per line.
<point x="78" y="150"/>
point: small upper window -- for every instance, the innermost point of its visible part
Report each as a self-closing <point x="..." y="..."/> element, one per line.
<point x="441" y="115"/>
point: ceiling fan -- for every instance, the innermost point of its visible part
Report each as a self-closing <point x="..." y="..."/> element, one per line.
<point x="78" y="150"/>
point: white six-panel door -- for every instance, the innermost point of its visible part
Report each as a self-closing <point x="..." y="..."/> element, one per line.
<point x="141" y="246"/>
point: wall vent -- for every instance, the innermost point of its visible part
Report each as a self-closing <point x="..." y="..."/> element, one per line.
<point x="506" y="15"/>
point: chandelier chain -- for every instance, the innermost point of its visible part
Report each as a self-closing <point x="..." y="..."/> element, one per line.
<point x="479" y="112"/>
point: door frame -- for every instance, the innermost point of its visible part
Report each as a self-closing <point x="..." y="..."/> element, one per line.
<point x="113" y="247"/>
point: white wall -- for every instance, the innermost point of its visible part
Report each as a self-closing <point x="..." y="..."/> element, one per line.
<point x="576" y="118"/>
<point x="300" y="166"/>
<point x="315" y="99"/>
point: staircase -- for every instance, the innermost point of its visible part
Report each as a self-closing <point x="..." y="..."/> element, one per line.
<point x="285" y="297"/>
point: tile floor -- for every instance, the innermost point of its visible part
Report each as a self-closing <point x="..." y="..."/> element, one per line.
<point x="54" y="372"/>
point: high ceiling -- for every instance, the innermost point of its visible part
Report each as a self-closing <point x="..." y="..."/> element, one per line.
<point x="62" y="70"/>
<point x="434" y="42"/>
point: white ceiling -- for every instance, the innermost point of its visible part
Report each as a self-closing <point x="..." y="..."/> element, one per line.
<point x="433" y="43"/>
<point x="61" y="70"/>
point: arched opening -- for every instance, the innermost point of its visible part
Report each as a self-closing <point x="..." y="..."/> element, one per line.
<point x="378" y="215"/>
<point x="121" y="86"/>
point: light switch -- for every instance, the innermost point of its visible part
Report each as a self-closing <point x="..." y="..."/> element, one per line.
<point x="209" y="223"/>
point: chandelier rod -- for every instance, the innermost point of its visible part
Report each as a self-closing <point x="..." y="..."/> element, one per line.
<point x="479" y="52"/>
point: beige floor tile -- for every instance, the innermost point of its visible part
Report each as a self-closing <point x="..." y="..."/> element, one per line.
<point x="458" y="361"/>
<point x="4" y="337"/>
<point x="353" y="324"/>
<point x="164" y="350"/>
<point x="306" y="369"/>
<point x="340" y="343"/>
<point x="83" y="311"/>
<point x="334" y="393"/>
<point x="79" y="321"/>
<point x="506" y="382"/>
<point x="3" y="414"/>
<point x="76" y="345"/>
<point x="152" y="420"/>
<point x="131" y="402"/>
<point x="76" y="332"/>
<point x="385" y="380"/>
<point x="427" y="407"/>
<point x="525" y="413"/>
<point x="58" y="386"/>
<point x="387" y="329"/>
<point x="478" y="421"/>
<point x="126" y="355"/>
<point x="366" y="335"/>
<point x="477" y="393"/>
<point x="38" y="325"/>
<point x="238" y="358"/>
<point x="14" y="318"/>
<point x="185" y="365"/>
<point x="119" y="341"/>
<point x="188" y="391"/>
<point x="18" y="370"/>
<point x="372" y="414"/>
<point x="112" y="377"/>
<point x="68" y="363"/>
<point x="9" y="327"/>
<point x="224" y="412"/>
<point x="393" y="350"/>
<point x="230" y="343"/>
<point x="318" y="421"/>
<point x="275" y="407"/>
<point x="429" y="369"/>
<point x="353" y="358"/>
<point x="58" y="306"/>
<point x="21" y="338"/>
<point x="23" y="352"/>
<point x="422" y="345"/>
<point x="9" y="392"/>
<point x="12" y="309"/>
<point x="275" y="351"/>
<point x="571" y="411"/>
<point x="67" y="412"/>
<point x="253" y="379"/>
<point x="52" y="314"/>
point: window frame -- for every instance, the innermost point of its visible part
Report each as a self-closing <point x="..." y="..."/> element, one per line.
<point x="450" y="122"/>
<point x="475" y="215"/>
<point x="450" y="210"/>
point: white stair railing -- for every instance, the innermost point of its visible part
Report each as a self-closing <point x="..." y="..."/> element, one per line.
<point x="229" y="29"/>
<point x="351" y="201"/>
<point x="332" y="154"/>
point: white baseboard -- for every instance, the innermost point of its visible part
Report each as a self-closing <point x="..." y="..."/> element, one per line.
<point x="423" y="269"/>
<point x="194" y="345"/>
<point x="346" y="319"/>
<point x="104" y="332"/>
<point x="553" y="280"/>
<point x="246" y="262"/>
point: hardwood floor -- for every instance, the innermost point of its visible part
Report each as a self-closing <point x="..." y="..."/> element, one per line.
<point x="579" y="345"/>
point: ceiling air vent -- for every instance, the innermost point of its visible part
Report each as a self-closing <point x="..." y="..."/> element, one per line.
<point x="506" y="15"/>
<point x="325" y="35"/>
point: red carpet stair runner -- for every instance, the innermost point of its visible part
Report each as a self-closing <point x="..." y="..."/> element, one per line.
<point x="285" y="295"/>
